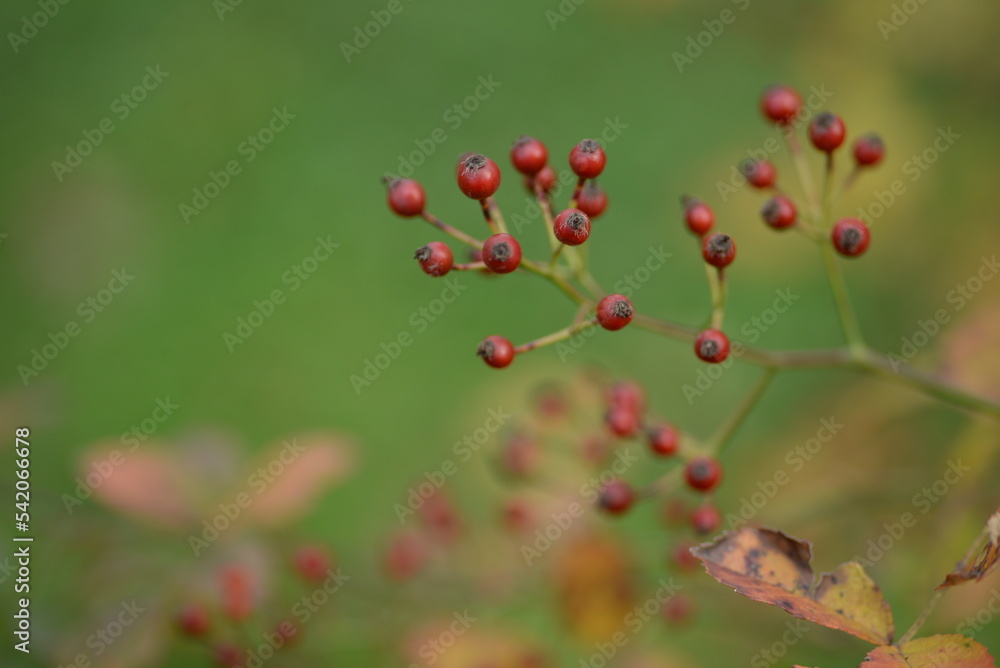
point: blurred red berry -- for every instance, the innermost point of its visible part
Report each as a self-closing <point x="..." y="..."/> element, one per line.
<point x="312" y="563"/>
<point x="850" y="237"/>
<point x="706" y="519"/>
<point x="545" y="178"/>
<point x="711" y="346"/>
<point x="698" y="216"/>
<point x="478" y="176"/>
<point x="592" y="200"/>
<point x="869" y="150"/>
<point x="702" y="473"/>
<point x="405" y="555"/>
<point x="520" y="455"/>
<point x="406" y="197"/>
<point x="780" y="104"/>
<point x="237" y="594"/>
<point x="616" y="497"/>
<point x="678" y="609"/>
<point x="228" y="656"/>
<point x="663" y="440"/>
<point x="440" y="517"/>
<point x="719" y="250"/>
<point x="827" y="132"/>
<point x="779" y="212"/>
<point x="626" y="394"/>
<point x="682" y="557"/>
<point x="759" y="173"/>
<point x="529" y="155"/>
<point x="193" y="619"/>
<point x="622" y="422"/>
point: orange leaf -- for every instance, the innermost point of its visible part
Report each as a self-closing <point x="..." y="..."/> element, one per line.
<point x="986" y="562"/>
<point x="951" y="651"/>
<point x="768" y="566"/>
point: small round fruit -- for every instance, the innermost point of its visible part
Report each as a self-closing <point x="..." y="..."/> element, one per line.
<point x="405" y="555"/>
<point x="683" y="558"/>
<point x="698" y="216"/>
<point x="827" y="132"/>
<point x="312" y="563"/>
<point x="592" y="200"/>
<point x="478" y="176"/>
<point x="711" y="346"/>
<point x="850" y="237"/>
<point x="626" y="394"/>
<point x="678" y="609"/>
<point x="622" y="422"/>
<point x="614" y="312"/>
<point x="760" y="174"/>
<point x="193" y="620"/>
<point x="663" y="440"/>
<point x="406" y="197"/>
<point x="529" y="155"/>
<point x="869" y="150"/>
<point x="702" y="473"/>
<point x="587" y="159"/>
<point x="436" y="258"/>
<point x="779" y="212"/>
<point x="228" y="656"/>
<point x="616" y="497"/>
<point x="502" y="253"/>
<point x="706" y="519"/>
<point x="780" y="104"/>
<point x="496" y="351"/>
<point x="719" y="250"/>
<point x="545" y="178"/>
<point x="572" y="227"/>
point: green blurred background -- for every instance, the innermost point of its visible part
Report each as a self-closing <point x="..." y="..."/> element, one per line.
<point x="163" y="335"/>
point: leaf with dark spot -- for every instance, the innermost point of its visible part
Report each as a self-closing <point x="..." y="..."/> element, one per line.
<point x="987" y="560"/>
<point x="953" y="651"/>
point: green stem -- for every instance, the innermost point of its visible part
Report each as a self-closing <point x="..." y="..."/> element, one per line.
<point x="848" y="319"/>
<point x="556" y="337"/>
<point x="802" y="169"/>
<point x="452" y="231"/>
<point x="736" y="419"/>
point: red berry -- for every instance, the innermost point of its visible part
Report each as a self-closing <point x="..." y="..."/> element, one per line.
<point x="440" y="517"/>
<point x="193" y="619"/>
<point x="545" y="178"/>
<point x="228" y="656"/>
<point x="502" y="253"/>
<point x="405" y="555"/>
<point x="683" y="558"/>
<point x="614" y="312"/>
<point x="712" y="346"/>
<point x="520" y="455"/>
<point x="827" y="132"/>
<point x="518" y="516"/>
<point x="572" y="227"/>
<point x="678" y="609"/>
<point x="496" y="351"/>
<point x="698" y="216"/>
<point x="435" y="258"/>
<point x="478" y="176"/>
<point x="312" y="563"/>
<point x="719" y="250"/>
<point x="622" y="421"/>
<point x="706" y="519"/>
<point x="287" y="631"/>
<point x="587" y="159"/>
<point x="406" y="197"/>
<point x="702" y="473"/>
<point x="779" y="212"/>
<point x="869" y="150"/>
<point x="592" y="200"/>
<point x="780" y="104"/>
<point x="850" y="237"/>
<point x="759" y="173"/>
<point x="663" y="440"/>
<point x="237" y="593"/>
<point x="616" y="497"/>
<point x="529" y="155"/>
<point x="626" y="394"/>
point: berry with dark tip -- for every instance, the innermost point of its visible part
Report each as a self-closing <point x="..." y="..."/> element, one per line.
<point x="702" y="473"/>
<point x="502" y="253"/>
<point x="616" y="497"/>
<point x="478" y="176"/>
<point x="719" y="250"/>
<point x="496" y="351"/>
<point x="850" y="237"/>
<point x="592" y="200"/>
<point x="869" y="150"/>
<point x="406" y="197"/>
<point x="759" y="173"/>
<point x="572" y="227"/>
<point x="706" y="519"/>
<point x="614" y="312"/>
<point x="529" y="155"/>
<point x="587" y="159"/>
<point x="193" y="620"/>
<point x="698" y="216"/>
<point x="780" y="104"/>
<point x="436" y="258"/>
<point x="827" y="132"/>
<point x="779" y="212"/>
<point x="663" y="440"/>
<point x="711" y="346"/>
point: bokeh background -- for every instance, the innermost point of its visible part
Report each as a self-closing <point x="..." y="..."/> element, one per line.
<point x="230" y="65"/>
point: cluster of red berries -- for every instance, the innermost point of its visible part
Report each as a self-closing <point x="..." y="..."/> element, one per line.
<point x="236" y="604"/>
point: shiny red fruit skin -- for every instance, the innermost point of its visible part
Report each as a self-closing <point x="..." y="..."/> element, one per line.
<point x="587" y="159"/>
<point x="406" y="197"/>
<point x="827" y="132"/>
<point x="699" y="217"/>
<point x="780" y="104"/>
<point x="702" y="473"/>
<point x="664" y="440"/>
<point x="529" y="156"/>
<point x="496" y="351"/>
<point x="850" y="237"/>
<point x="478" y="176"/>
<point x="593" y="201"/>
<point x="436" y="258"/>
<point x="711" y="346"/>
<point x="572" y="227"/>
<point x="614" y="312"/>
<point x="779" y="212"/>
<point x="502" y="253"/>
